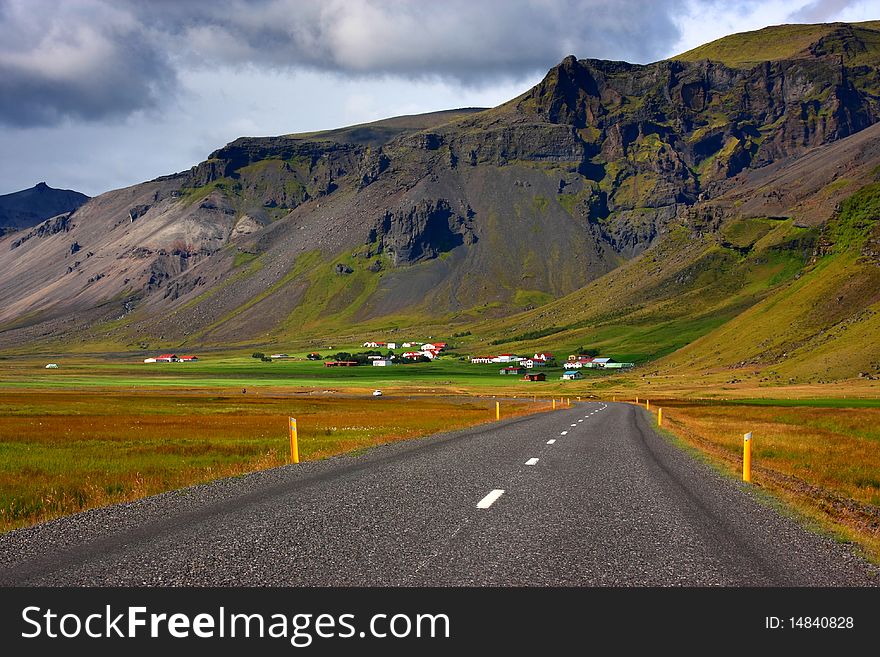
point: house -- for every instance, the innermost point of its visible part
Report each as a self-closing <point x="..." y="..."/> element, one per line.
<point x="571" y="375"/>
<point x="512" y="370"/>
<point x="537" y="376"/>
<point x="505" y="358"/>
<point x="430" y="353"/>
<point x="601" y="362"/>
<point x="574" y="364"/>
<point x="373" y="357"/>
<point x="166" y="358"/>
<point x="188" y="359"/>
<point x="482" y="360"/>
<point x="341" y="363"/>
<point x="371" y="344"/>
<point x="392" y="345"/>
<point x="382" y="362"/>
<point x="412" y="355"/>
<point x="544" y="355"/>
<point x="406" y="345"/>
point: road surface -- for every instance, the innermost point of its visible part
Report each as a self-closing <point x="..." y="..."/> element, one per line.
<point x="585" y="496"/>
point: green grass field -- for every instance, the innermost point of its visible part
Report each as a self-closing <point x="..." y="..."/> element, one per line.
<point x="244" y="372"/>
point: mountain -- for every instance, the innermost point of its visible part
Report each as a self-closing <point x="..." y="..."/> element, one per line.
<point x="638" y="207"/>
<point x="30" y="207"/>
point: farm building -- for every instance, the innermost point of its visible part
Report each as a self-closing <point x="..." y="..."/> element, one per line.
<point x="412" y="355"/>
<point x="187" y="359"/>
<point x="506" y="358"/>
<point x="406" y="345"/>
<point x="382" y="362"/>
<point x="512" y="370"/>
<point x="341" y="363"/>
<point x="543" y="355"/>
<point x="533" y="362"/>
<point x="167" y="358"/>
<point x="279" y="356"/>
<point x="571" y="375"/>
<point x="537" y="376"/>
<point x="482" y="360"/>
<point x="392" y="345"/>
<point x="149" y="360"/>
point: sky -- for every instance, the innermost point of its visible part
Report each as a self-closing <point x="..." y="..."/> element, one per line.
<point x="101" y="94"/>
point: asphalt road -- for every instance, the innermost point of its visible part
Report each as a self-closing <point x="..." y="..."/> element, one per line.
<point x="591" y="496"/>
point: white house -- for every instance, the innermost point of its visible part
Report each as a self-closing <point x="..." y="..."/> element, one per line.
<point x="544" y="355"/>
<point x="505" y="358"/>
<point x="382" y="362"/>
<point x="406" y="345"/>
<point x="392" y="345"/>
<point x="570" y="376"/>
<point x="371" y="344"/>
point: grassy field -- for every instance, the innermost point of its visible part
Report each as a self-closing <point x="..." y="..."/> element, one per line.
<point x="823" y="460"/>
<point x="65" y="451"/>
<point x="448" y="374"/>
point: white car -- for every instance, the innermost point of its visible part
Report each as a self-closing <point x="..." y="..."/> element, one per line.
<point x="377" y="393"/>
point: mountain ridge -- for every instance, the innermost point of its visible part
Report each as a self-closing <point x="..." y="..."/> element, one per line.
<point x="28" y="207"/>
<point x="453" y="218"/>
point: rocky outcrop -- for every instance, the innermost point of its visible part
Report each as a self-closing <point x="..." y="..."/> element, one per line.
<point x="59" y="224"/>
<point x="421" y="232"/>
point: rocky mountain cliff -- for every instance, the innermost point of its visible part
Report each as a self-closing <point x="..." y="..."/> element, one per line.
<point x="443" y="219"/>
<point x="29" y="207"/>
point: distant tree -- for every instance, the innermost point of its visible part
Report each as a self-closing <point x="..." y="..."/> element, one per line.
<point x="342" y="355"/>
<point x="390" y="354"/>
<point x="591" y="352"/>
<point x="258" y="354"/>
<point x="266" y="359"/>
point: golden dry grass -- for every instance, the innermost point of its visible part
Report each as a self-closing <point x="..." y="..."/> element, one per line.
<point x="825" y="462"/>
<point x="62" y="452"/>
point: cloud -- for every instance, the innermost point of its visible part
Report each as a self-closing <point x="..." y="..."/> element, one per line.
<point x="92" y="60"/>
<point x="79" y="60"/>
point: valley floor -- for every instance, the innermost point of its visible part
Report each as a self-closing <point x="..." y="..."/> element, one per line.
<point x="100" y="431"/>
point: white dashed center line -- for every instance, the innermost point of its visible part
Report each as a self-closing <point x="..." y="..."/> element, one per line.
<point x="574" y="425"/>
<point x="580" y="420"/>
<point x="564" y="433"/>
<point x="489" y="500"/>
<point x="531" y="461"/>
<point x="551" y="441"/>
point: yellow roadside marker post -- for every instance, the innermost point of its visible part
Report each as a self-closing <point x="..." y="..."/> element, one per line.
<point x="497" y="410"/>
<point x="747" y="457"/>
<point x="554" y="403"/>
<point x="294" y="442"/>
<point x="637" y="400"/>
<point x="647" y="404"/>
<point x="660" y="417"/>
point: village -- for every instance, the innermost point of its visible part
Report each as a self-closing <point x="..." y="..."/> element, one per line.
<point x="386" y="354"/>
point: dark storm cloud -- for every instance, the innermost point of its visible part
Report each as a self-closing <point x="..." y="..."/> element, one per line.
<point x="82" y="60"/>
<point x="100" y="59"/>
